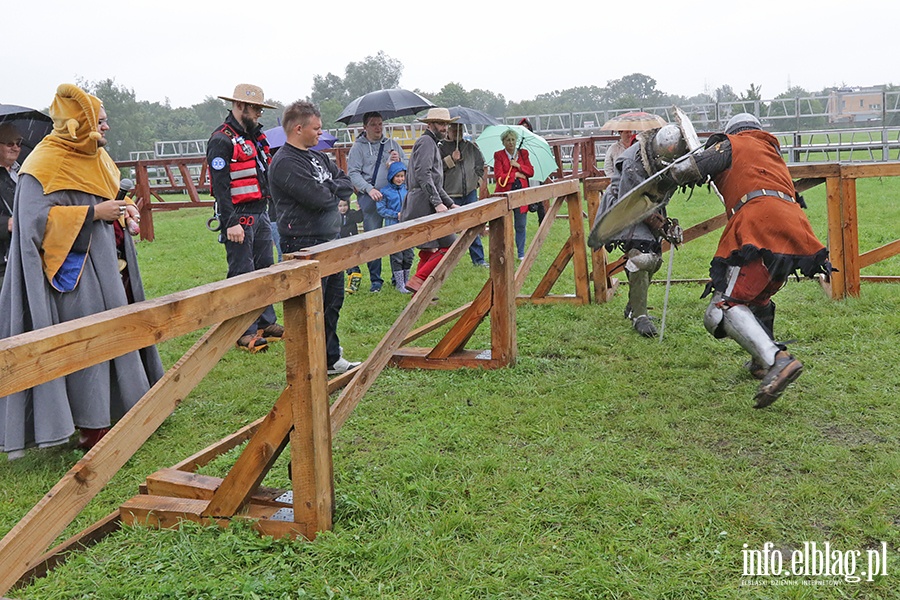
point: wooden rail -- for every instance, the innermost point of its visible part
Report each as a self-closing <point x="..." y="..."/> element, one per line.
<point x="301" y="416"/>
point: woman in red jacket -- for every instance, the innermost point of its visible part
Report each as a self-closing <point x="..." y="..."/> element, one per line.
<point x="512" y="168"/>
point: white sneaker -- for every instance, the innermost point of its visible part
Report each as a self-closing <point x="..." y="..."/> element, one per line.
<point x="342" y="365"/>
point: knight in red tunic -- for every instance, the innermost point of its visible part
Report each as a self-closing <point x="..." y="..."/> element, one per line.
<point x="767" y="238"/>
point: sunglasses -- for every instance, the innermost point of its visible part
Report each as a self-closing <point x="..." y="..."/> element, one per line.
<point x="14" y="143"/>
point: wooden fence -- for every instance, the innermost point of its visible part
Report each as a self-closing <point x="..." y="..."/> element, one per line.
<point x="301" y="415"/>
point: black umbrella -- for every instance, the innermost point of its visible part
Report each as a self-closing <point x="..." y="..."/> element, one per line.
<point x="390" y="103"/>
<point x="32" y="125"/>
<point x="470" y="116"/>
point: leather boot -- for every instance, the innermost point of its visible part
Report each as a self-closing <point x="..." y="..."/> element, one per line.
<point x="785" y="371"/>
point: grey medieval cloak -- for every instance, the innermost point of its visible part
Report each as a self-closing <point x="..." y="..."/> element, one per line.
<point x="94" y="397"/>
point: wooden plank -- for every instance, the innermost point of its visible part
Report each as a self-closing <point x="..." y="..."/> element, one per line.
<point x="537" y="243"/>
<point x="809" y="170"/>
<point x="599" y="258"/>
<point x="879" y="254"/>
<point x="181" y="484"/>
<point x="861" y="170"/>
<point x="435" y="324"/>
<point x="195" y="461"/>
<point x="311" y="461"/>
<point x="835" y="243"/>
<point x="188" y="181"/>
<point x="38" y="356"/>
<point x="255" y="460"/>
<point x="51" y="515"/>
<point x="554" y="271"/>
<point x="579" y="247"/>
<point x="417" y="358"/>
<point x="801" y="185"/>
<point x="539" y="193"/>
<point x="165" y="512"/>
<point x="504" y="344"/>
<point x="59" y="554"/>
<point x="850" y="227"/>
<point x="169" y="513"/>
<point x="365" y="374"/>
<point x="342" y="254"/>
<point x="142" y="190"/>
<point x="463" y="329"/>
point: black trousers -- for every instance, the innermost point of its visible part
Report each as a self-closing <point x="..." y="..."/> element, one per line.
<point x="332" y="295"/>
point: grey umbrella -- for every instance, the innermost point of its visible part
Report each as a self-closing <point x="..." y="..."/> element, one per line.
<point x="471" y="116"/>
<point x="390" y="103"/>
<point x="32" y="125"/>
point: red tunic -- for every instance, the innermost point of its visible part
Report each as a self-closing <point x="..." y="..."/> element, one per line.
<point x="766" y="227"/>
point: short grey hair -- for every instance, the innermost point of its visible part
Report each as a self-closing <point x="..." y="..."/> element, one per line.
<point x="509" y="133"/>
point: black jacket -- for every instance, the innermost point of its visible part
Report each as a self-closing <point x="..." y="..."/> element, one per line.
<point x="7" y="193"/>
<point x="350" y="222"/>
<point x="220" y="145"/>
<point x="306" y="186"/>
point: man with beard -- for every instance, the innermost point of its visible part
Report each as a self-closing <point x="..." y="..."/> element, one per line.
<point x="426" y="196"/>
<point x="238" y="157"/>
<point x="463" y="171"/>
<point x="63" y="266"/>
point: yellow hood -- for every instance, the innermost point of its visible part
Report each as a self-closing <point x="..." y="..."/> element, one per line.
<point x="69" y="158"/>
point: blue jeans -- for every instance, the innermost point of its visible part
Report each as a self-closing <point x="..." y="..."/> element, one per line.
<point x="371" y="221"/>
<point x="520" y="220"/>
<point x="255" y="253"/>
<point x="476" y="250"/>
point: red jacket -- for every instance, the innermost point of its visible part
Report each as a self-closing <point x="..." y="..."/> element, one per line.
<point x="505" y="174"/>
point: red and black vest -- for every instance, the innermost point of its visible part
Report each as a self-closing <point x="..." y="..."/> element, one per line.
<point x="245" y="186"/>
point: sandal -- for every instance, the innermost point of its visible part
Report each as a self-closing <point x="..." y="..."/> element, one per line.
<point x="252" y="343"/>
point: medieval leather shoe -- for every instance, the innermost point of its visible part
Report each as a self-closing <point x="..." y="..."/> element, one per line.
<point x="272" y="333"/>
<point x="757" y="370"/>
<point x="785" y="370"/>
<point x="644" y="326"/>
<point x="252" y="343"/>
<point x="88" y="438"/>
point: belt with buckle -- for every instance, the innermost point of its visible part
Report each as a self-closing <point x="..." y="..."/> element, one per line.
<point x="756" y="194"/>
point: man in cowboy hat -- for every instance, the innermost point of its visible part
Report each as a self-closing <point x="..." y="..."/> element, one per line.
<point x="238" y="157"/>
<point x="426" y="196"/>
<point x="63" y="265"/>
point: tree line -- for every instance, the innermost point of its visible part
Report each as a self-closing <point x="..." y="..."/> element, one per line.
<point x="138" y="125"/>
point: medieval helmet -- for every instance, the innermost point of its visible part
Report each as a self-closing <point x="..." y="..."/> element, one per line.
<point x="740" y="122"/>
<point x="667" y="145"/>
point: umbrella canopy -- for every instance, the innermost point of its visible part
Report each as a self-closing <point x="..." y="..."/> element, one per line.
<point x="277" y="139"/>
<point x="634" y="121"/>
<point x="390" y="103"/>
<point x="471" y="116"/>
<point x="33" y="125"/>
<point x="539" y="151"/>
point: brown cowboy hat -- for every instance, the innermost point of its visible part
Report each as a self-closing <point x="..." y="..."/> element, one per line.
<point x="438" y="115"/>
<point x="248" y="94"/>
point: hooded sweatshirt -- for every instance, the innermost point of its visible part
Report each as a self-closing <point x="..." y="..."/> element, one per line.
<point x="392" y="196"/>
<point x="361" y="164"/>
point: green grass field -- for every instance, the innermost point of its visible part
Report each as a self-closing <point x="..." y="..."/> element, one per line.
<point x="603" y="465"/>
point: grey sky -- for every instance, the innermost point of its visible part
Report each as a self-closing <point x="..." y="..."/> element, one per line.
<point x="185" y="50"/>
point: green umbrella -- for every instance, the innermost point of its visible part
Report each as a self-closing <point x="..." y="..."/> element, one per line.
<point x="539" y="152"/>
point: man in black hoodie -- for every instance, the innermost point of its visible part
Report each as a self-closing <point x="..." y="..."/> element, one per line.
<point x="306" y="186"/>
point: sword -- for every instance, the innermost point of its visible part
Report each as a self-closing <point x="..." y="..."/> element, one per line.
<point x="662" y="324"/>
